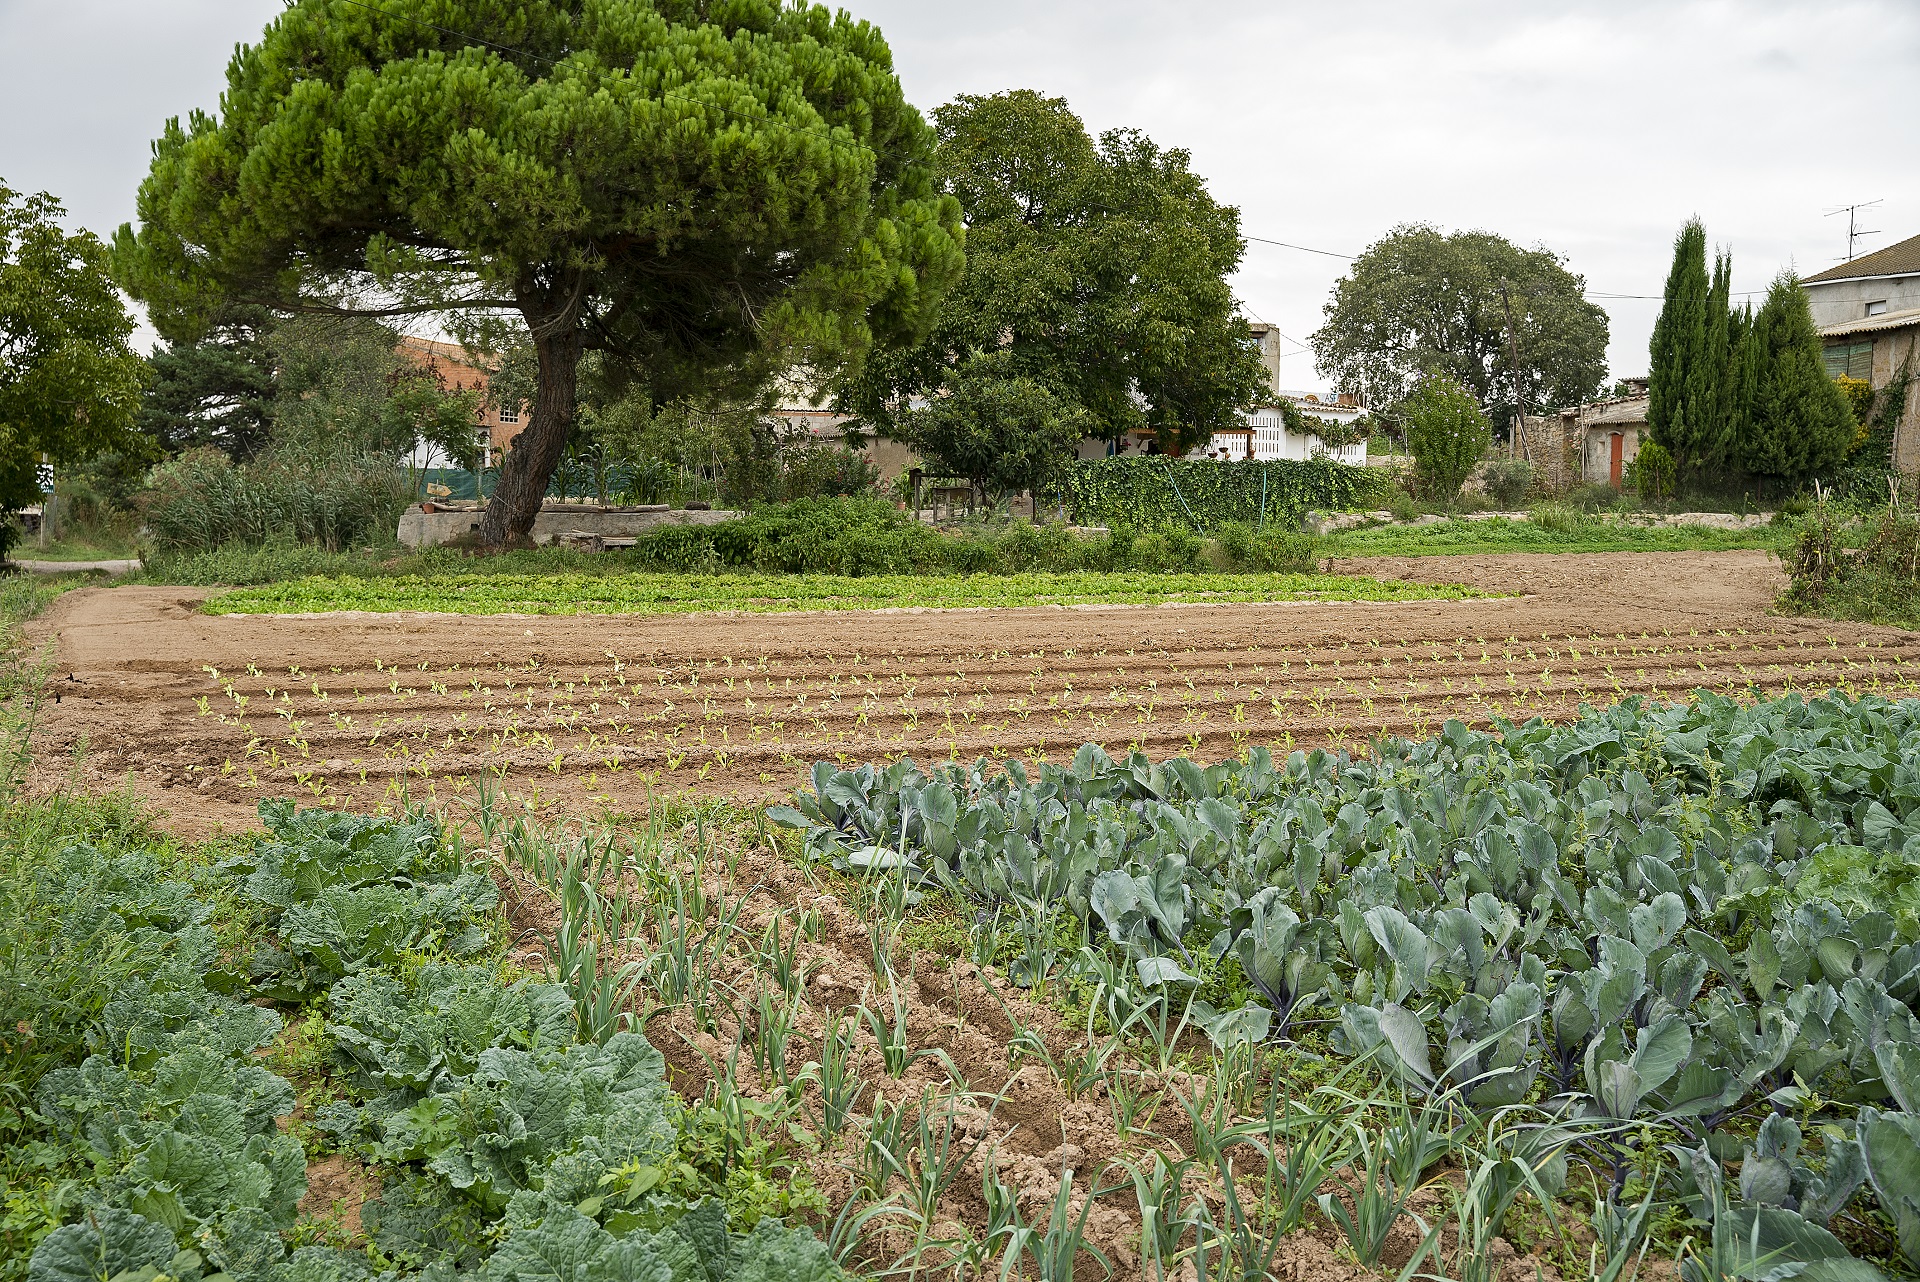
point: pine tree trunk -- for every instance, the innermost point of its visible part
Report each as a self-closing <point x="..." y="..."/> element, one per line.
<point x="528" y="467"/>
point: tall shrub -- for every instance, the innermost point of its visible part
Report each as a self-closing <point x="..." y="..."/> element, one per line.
<point x="1799" y="422"/>
<point x="1447" y="434"/>
<point x="1652" y="471"/>
<point x="203" y="500"/>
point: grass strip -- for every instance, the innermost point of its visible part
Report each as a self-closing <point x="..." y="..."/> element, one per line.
<point x="1497" y="534"/>
<point x="775" y="593"/>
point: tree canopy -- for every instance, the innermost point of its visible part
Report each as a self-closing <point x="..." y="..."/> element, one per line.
<point x="1419" y="299"/>
<point x="1099" y="269"/>
<point x="693" y="188"/>
<point x="1002" y="430"/>
<point x="213" y="389"/>
<point x="69" y="383"/>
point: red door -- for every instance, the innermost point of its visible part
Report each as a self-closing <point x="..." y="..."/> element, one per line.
<point x="1615" y="442"/>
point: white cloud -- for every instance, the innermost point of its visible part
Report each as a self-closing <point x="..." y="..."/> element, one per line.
<point x="1592" y="126"/>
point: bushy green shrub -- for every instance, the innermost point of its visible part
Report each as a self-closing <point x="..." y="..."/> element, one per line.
<point x="1447" y="434"/>
<point x="1267" y="551"/>
<point x="1172" y="548"/>
<point x="1591" y="497"/>
<point x="1879" y="582"/>
<point x="1508" y="482"/>
<point x="1652" y="471"/>
<point x="857" y="536"/>
<point x="1046" y="547"/>
<point x="1154" y="492"/>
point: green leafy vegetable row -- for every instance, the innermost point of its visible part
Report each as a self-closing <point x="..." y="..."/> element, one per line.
<point x="772" y="593"/>
<point x="508" y="1150"/>
<point x="1699" y="919"/>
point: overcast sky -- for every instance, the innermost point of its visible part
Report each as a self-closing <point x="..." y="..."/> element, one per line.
<point x="1593" y="127"/>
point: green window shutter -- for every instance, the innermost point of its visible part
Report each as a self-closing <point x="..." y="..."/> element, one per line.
<point x="1855" y="360"/>
<point x="1860" y="362"/>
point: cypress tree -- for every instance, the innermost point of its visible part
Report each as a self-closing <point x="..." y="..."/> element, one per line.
<point x="1800" y="423"/>
<point x="1679" y="350"/>
<point x="1716" y="381"/>
<point x="1742" y="366"/>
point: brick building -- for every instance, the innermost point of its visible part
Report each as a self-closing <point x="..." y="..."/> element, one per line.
<point x="494" y="426"/>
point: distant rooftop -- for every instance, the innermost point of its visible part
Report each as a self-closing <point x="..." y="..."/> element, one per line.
<point x="1895" y="260"/>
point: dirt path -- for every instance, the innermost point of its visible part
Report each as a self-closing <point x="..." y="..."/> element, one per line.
<point x="208" y="713"/>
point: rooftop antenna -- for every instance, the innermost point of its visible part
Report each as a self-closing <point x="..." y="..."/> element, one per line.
<point x="1854" y="230"/>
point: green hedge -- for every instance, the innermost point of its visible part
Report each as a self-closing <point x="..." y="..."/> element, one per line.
<point x="1155" y="492"/>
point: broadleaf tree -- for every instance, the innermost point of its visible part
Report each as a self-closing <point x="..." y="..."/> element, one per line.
<point x="1097" y="269"/>
<point x="1001" y="429"/>
<point x="1420" y="299"/>
<point x="70" y="385"/>
<point x="343" y="389"/>
<point x="696" y="189"/>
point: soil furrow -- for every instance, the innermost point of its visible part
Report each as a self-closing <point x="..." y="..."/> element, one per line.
<point x="210" y="713"/>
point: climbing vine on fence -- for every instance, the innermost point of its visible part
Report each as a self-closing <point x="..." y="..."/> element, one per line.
<point x="1152" y="491"/>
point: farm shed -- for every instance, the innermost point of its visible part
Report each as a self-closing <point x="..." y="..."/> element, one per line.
<point x="1593" y="443"/>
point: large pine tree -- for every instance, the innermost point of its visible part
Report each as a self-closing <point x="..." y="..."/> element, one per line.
<point x="1799" y="422"/>
<point x="1679" y="387"/>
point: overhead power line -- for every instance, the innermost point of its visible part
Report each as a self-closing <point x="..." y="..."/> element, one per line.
<point x="1328" y="253"/>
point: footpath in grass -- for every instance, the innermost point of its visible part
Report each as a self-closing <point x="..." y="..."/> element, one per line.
<point x="1497" y="534"/>
<point x="775" y="593"/>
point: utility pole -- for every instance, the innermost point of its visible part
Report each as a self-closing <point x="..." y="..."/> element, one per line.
<point x="1855" y="232"/>
<point x="1513" y="358"/>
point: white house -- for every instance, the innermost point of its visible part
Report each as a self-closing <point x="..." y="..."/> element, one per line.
<point x="1266" y="438"/>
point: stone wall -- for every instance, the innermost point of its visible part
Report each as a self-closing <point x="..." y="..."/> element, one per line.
<point x="422" y="529"/>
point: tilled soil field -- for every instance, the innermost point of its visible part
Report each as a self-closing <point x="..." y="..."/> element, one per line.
<point x="207" y="714"/>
